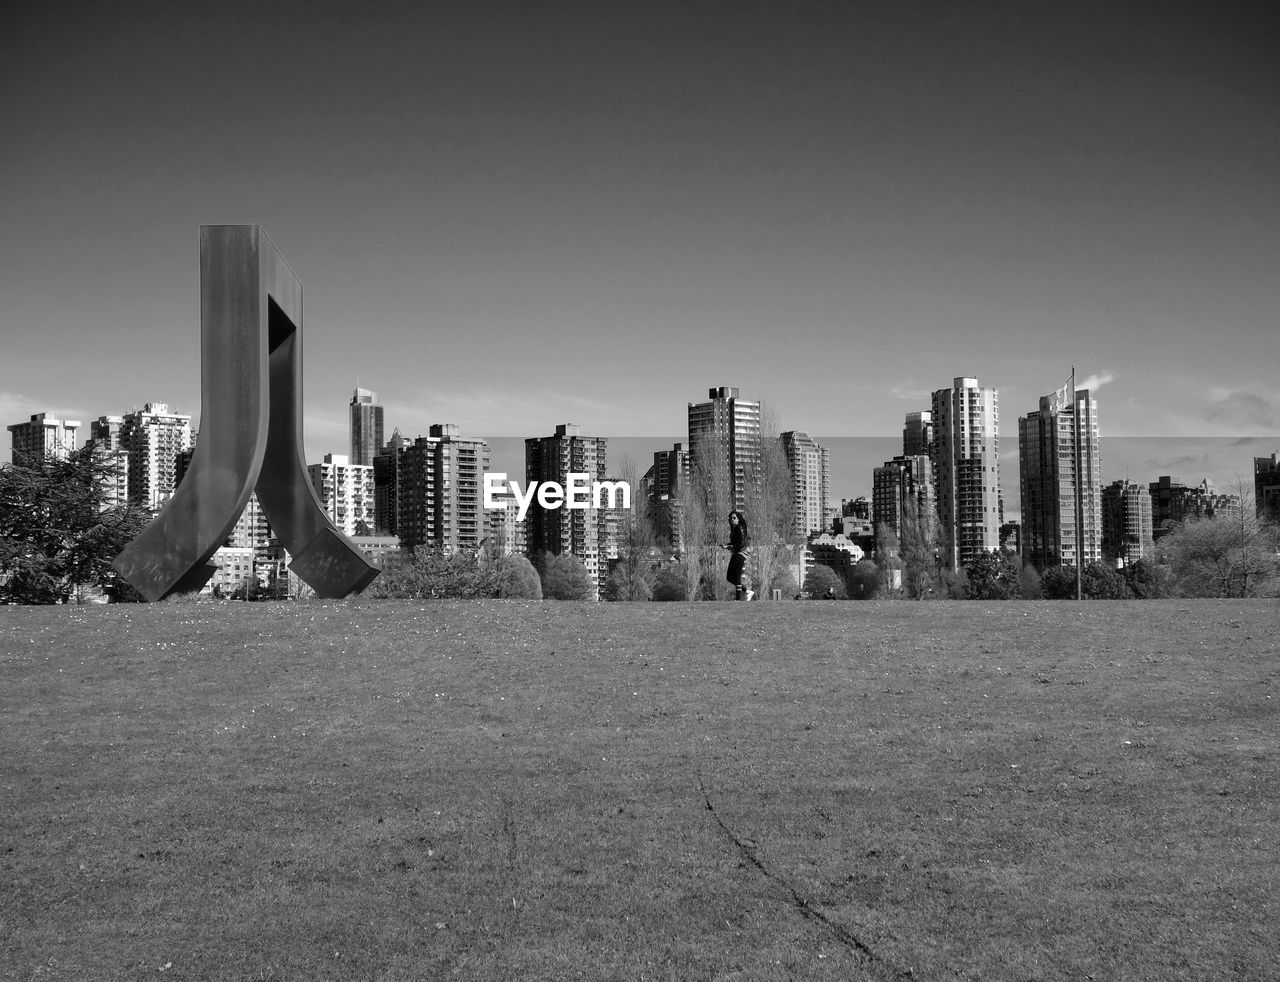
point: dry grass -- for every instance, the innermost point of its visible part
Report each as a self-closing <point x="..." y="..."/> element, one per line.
<point x="507" y="790"/>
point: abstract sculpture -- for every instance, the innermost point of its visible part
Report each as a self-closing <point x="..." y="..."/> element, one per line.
<point x="250" y="432"/>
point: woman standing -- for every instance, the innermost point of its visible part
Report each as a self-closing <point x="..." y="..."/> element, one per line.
<point x="739" y="540"/>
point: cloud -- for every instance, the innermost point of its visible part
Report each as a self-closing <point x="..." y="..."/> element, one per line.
<point x="910" y="389"/>
<point x="1173" y="465"/>
<point x="1094" y="382"/>
<point x="485" y="412"/>
<point x="15" y="408"/>
<point x="18" y="408"/>
<point x="1242" y="409"/>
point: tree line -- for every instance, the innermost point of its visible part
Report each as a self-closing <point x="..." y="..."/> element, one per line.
<point x="57" y="541"/>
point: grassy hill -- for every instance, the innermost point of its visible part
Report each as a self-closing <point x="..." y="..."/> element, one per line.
<point x="507" y="790"/>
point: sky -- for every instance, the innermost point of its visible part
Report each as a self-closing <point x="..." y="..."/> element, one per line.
<point x="514" y="215"/>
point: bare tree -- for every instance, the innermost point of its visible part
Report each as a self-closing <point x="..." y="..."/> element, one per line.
<point x="706" y="501"/>
<point x="769" y="504"/>
<point x="632" y="578"/>
<point x="693" y="538"/>
<point x="917" y="549"/>
<point x="888" y="560"/>
<point x="1233" y="554"/>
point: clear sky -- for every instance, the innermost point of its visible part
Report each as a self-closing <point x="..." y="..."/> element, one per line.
<point x="513" y="215"/>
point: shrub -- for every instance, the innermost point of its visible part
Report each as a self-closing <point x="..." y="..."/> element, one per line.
<point x="955" y="584"/>
<point x="518" y="580"/>
<point x="1098" y="581"/>
<point x="671" y="583"/>
<point x="567" y="579"/>
<point x="626" y="583"/>
<point x="823" y="583"/>
<point x="1058" y="583"/>
<point x="435" y="575"/>
<point x="992" y="576"/>
<point x="1149" y="580"/>
<point x="1029" y="585"/>
<point x="864" y="581"/>
<point x="1101" y="582"/>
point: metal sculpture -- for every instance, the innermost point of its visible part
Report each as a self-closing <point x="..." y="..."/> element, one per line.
<point x="250" y="432"/>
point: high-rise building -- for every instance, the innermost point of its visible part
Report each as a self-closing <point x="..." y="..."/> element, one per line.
<point x="386" y="470"/>
<point x="366" y="426"/>
<point x="810" y="466"/>
<point x="581" y="531"/>
<point x="154" y="437"/>
<point x="44" y="435"/>
<point x="667" y="480"/>
<point x="1173" y="502"/>
<point x="105" y="432"/>
<point x="1126" y="522"/>
<point x="905" y="478"/>
<point x="917" y="434"/>
<point x="251" y="531"/>
<point x="724" y="440"/>
<point x="966" y="470"/>
<point x="440" y="483"/>
<point x="1047" y="468"/>
<point x="346" y="492"/>
<point x="1266" y="486"/>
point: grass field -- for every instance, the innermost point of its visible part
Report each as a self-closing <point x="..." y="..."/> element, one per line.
<point x="509" y="790"/>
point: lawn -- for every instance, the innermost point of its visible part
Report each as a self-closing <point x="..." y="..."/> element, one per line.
<point x="518" y="790"/>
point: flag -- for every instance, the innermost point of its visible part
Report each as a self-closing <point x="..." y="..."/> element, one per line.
<point x="1060" y="398"/>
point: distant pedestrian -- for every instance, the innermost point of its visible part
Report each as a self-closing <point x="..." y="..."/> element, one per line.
<point x="739" y="540"/>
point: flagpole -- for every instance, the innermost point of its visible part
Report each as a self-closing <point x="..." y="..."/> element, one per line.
<point x="1075" y="417"/>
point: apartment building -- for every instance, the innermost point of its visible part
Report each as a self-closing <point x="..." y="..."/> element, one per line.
<point x="154" y="436"/>
<point x="440" y="483"/>
<point x="365" y="416"/>
<point x="1056" y="521"/>
<point x="1127" y="530"/>
<point x="810" y="467"/>
<point x="724" y="441"/>
<point x="346" y="493"/>
<point x="966" y="467"/>
<point x="584" y="532"/>
<point x="44" y="435"/>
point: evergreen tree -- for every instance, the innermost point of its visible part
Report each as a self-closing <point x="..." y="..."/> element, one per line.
<point x="57" y="540"/>
<point x="992" y="576"/>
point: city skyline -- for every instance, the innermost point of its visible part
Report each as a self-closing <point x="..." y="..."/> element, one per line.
<point x="512" y="219"/>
